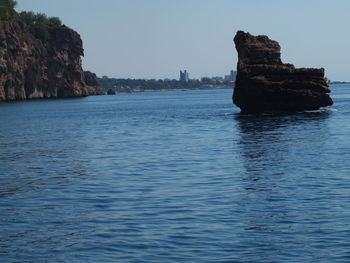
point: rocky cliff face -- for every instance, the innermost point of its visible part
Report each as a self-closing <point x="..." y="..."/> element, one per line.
<point x="31" y="67"/>
<point x="92" y="83"/>
<point x="264" y="83"/>
<point x="90" y="78"/>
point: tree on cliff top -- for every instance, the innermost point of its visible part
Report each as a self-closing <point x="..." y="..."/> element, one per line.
<point x="32" y="19"/>
<point x="7" y="8"/>
<point x="40" y="24"/>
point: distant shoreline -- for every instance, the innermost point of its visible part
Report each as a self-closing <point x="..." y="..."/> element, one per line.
<point x="113" y="86"/>
<point x="340" y="82"/>
<point x="177" y="89"/>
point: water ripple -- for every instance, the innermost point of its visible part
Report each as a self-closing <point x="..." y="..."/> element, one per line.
<point x="173" y="177"/>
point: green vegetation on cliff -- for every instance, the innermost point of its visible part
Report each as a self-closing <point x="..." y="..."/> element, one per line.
<point x="39" y="24"/>
<point x="7" y="8"/>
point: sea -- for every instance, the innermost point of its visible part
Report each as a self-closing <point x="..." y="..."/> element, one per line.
<point x="176" y="176"/>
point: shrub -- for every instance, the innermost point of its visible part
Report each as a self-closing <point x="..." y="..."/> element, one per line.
<point x="7" y="8"/>
<point x="40" y="24"/>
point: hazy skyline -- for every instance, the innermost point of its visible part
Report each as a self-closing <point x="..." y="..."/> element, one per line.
<point x="157" y="38"/>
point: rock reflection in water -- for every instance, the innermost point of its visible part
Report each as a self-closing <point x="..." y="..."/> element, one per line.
<point x="266" y="140"/>
<point x="269" y="148"/>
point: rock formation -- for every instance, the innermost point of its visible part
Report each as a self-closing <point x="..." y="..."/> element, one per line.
<point x="111" y="92"/>
<point x="92" y="83"/>
<point x="33" y="67"/>
<point x="90" y="78"/>
<point x="265" y="84"/>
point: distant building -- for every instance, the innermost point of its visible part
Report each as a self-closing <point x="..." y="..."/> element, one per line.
<point x="183" y="76"/>
<point x="232" y="76"/>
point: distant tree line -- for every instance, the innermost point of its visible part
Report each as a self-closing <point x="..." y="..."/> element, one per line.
<point x="130" y="85"/>
<point x="39" y="24"/>
<point x="124" y="85"/>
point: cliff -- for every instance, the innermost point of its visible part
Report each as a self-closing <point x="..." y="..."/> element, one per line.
<point x="34" y="66"/>
<point x="93" y="86"/>
<point x="264" y="83"/>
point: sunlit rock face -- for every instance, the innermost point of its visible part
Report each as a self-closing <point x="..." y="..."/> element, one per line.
<point x="265" y="84"/>
<point x="32" y="68"/>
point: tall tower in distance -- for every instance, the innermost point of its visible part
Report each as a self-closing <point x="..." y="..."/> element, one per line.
<point x="233" y="75"/>
<point x="183" y="76"/>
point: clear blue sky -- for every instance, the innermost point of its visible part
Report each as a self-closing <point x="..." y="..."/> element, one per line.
<point x="157" y="38"/>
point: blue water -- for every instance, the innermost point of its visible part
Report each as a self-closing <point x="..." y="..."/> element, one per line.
<point x="173" y="177"/>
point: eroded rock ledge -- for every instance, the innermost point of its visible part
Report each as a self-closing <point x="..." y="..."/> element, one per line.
<point x="265" y="84"/>
<point x="32" y="68"/>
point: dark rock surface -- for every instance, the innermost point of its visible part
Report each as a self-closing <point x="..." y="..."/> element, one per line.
<point x="92" y="83"/>
<point x="31" y="67"/>
<point x="91" y="78"/>
<point x="111" y="92"/>
<point x="265" y="84"/>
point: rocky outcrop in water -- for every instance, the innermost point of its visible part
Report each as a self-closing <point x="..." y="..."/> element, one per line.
<point x="265" y="84"/>
<point x="111" y="92"/>
<point x="37" y="67"/>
